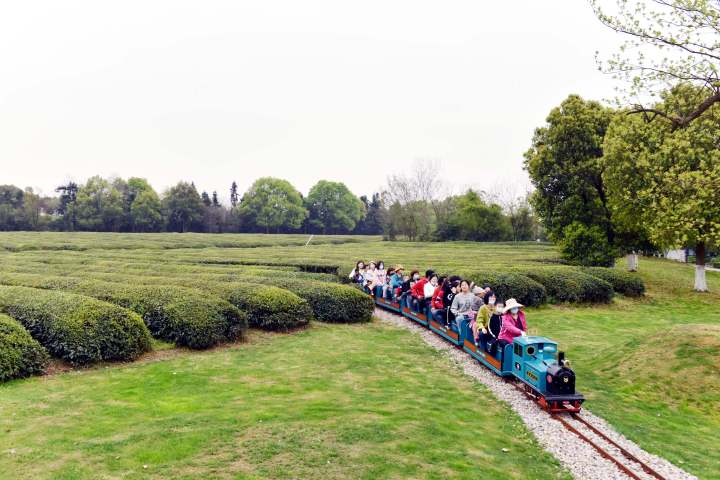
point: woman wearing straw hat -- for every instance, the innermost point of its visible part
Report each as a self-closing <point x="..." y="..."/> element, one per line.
<point x="513" y="322"/>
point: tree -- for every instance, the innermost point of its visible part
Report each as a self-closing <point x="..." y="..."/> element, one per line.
<point x="183" y="207"/>
<point x="234" y="197"/>
<point x="146" y="212"/>
<point x="215" y="201"/>
<point x="67" y="205"/>
<point x="333" y="208"/>
<point x="668" y="179"/>
<point x="479" y="221"/>
<point x="589" y="246"/>
<point x="375" y="216"/>
<point x="99" y="206"/>
<point x="205" y="199"/>
<point x="11" y="208"/>
<point x="410" y="197"/>
<point x="272" y="203"/>
<point x="564" y="166"/>
<point x="669" y="42"/>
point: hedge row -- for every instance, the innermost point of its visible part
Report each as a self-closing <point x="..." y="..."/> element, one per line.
<point x="567" y="284"/>
<point x="20" y="354"/>
<point x="625" y="283"/>
<point x="179" y="315"/>
<point x="331" y="302"/>
<point x="76" y="328"/>
<point x="267" y="307"/>
<point x="510" y="285"/>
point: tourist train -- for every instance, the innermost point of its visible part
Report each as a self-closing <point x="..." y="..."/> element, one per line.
<point x="535" y="362"/>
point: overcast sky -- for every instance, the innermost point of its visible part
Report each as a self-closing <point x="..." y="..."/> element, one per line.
<point x="216" y="91"/>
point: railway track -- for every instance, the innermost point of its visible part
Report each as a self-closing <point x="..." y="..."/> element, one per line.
<point x="625" y="461"/>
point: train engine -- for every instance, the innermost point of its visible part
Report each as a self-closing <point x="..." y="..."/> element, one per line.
<point x="545" y="374"/>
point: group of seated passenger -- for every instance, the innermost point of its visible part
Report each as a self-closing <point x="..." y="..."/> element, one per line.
<point x="449" y="300"/>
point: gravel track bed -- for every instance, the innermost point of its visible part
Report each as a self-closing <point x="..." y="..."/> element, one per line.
<point x="582" y="460"/>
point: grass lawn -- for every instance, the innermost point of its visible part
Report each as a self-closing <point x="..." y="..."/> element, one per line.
<point x="651" y="367"/>
<point x="334" y="401"/>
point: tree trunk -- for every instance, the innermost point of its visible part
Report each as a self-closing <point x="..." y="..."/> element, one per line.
<point x="700" y="281"/>
<point x="632" y="262"/>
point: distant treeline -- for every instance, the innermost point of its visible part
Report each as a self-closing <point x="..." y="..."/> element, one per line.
<point x="270" y="205"/>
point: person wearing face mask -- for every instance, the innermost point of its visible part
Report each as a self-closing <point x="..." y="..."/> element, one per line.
<point x="513" y="322"/>
<point x="487" y="337"/>
<point x="396" y="282"/>
<point x="437" y="309"/>
<point x="380" y="278"/>
<point x="484" y="311"/>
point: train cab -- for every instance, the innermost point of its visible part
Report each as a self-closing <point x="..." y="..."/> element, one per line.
<point x="541" y="367"/>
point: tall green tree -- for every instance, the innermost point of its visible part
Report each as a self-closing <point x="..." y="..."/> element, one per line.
<point x="272" y="204"/>
<point x="12" y="203"/>
<point x="146" y="212"/>
<point x="564" y="166"/>
<point x="375" y="217"/>
<point x="183" y="207"/>
<point x="67" y="205"/>
<point x="333" y="208"/>
<point x="479" y="221"/>
<point x="667" y="179"/>
<point x="99" y="206"/>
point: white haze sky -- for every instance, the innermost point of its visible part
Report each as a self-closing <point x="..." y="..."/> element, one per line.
<point x="216" y="91"/>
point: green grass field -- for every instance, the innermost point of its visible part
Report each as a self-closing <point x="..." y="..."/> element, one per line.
<point x="331" y="402"/>
<point x="648" y="365"/>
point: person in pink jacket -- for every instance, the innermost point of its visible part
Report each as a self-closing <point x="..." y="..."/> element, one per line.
<point x="513" y="322"/>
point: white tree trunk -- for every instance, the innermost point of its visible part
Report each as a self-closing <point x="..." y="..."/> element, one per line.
<point x="700" y="282"/>
<point x="632" y="262"/>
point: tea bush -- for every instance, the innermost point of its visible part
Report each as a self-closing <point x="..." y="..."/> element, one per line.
<point x="77" y="328"/>
<point x="567" y="284"/>
<point x="625" y="283"/>
<point x="179" y="315"/>
<point x="20" y="354"/>
<point x="332" y="303"/>
<point x="267" y="307"/>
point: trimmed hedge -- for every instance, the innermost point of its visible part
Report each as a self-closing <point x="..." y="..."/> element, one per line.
<point x="567" y="284"/>
<point x="510" y="285"/>
<point x="267" y="307"/>
<point x="331" y="302"/>
<point x="179" y="315"/>
<point x="76" y="328"/>
<point x="625" y="283"/>
<point x="20" y="354"/>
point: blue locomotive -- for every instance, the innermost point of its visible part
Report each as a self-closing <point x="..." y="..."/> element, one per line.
<point x="534" y="361"/>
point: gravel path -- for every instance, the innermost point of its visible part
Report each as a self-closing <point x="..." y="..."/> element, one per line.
<point x="577" y="456"/>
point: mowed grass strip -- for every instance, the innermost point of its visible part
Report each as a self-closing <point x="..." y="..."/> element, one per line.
<point x="335" y="401"/>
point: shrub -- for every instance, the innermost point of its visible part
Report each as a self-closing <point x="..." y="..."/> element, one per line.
<point x="20" y="354"/>
<point x="331" y="302"/>
<point x="510" y="285"/>
<point x="267" y="307"/>
<point x="625" y="283"/>
<point x="179" y="315"/>
<point x="567" y="284"/>
<point x="588" y="246"/>
<point x="76" y="328"/>
<point x="716" y="262"/>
